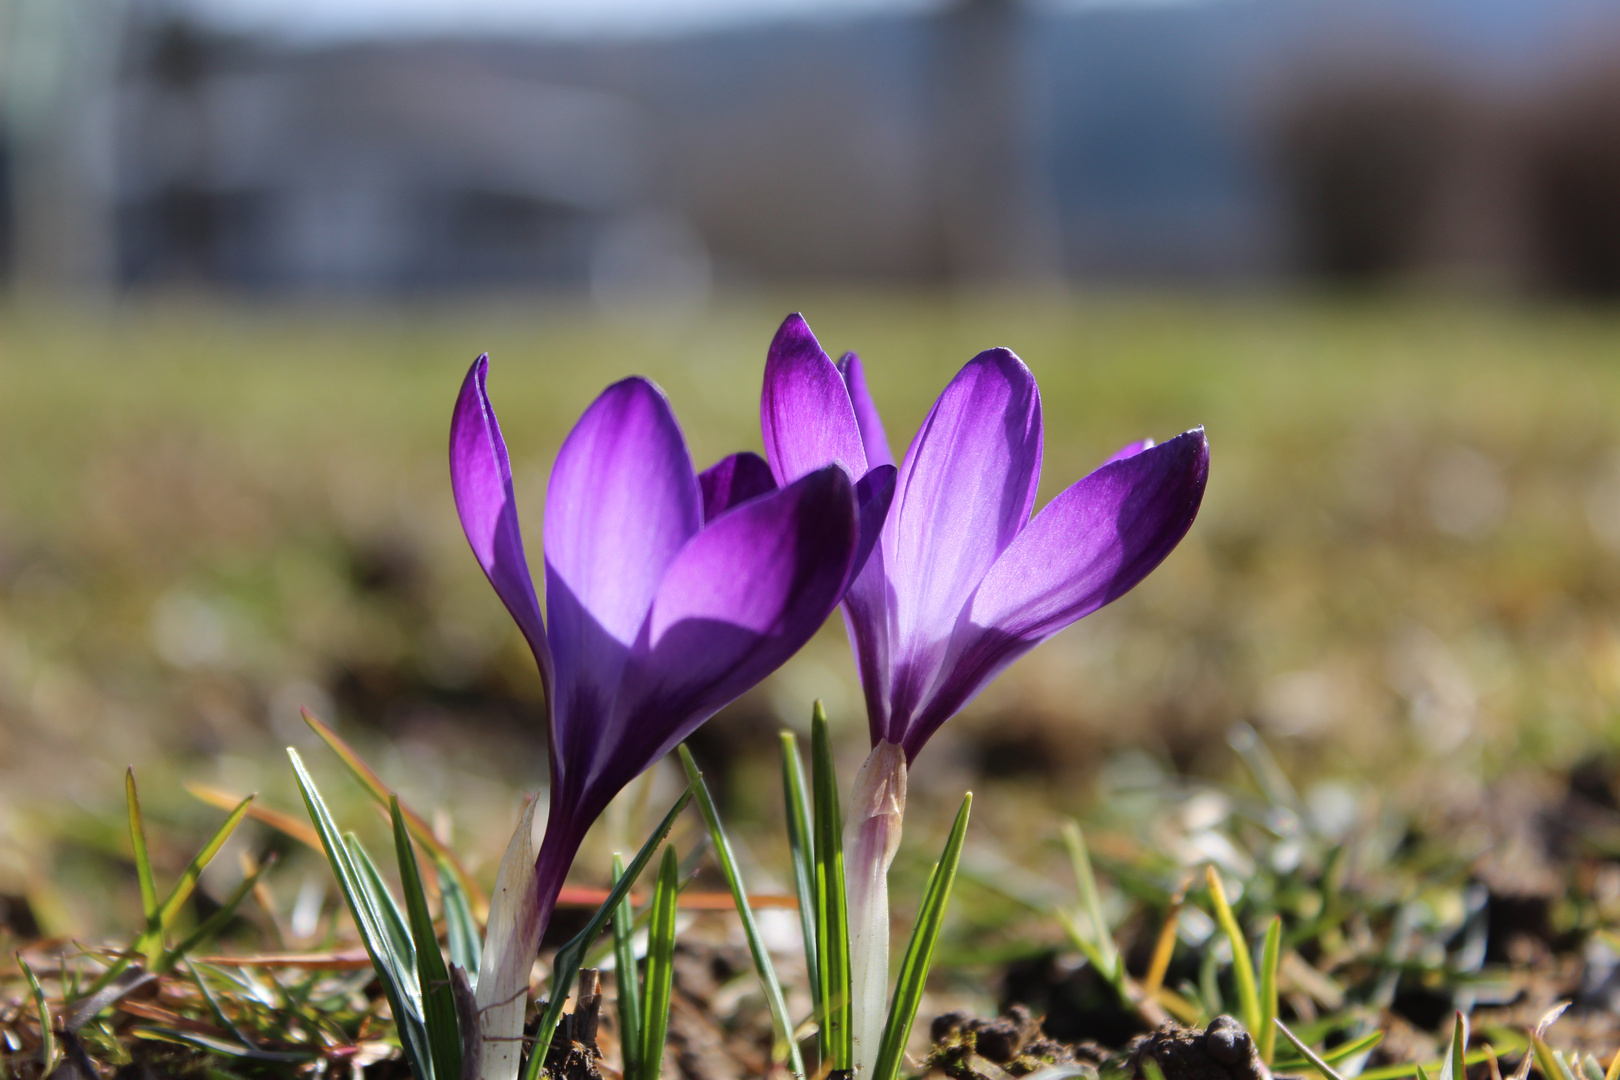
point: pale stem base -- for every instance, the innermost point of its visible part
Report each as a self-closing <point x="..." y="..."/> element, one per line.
<point x="871" y="839"/>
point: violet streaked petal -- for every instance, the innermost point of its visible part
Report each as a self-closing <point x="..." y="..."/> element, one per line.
<point x="866" y="599"/>
<point x="805" y="413"/>
<point x="622" y="503"/>
<point x="481" y="478"/>
<point x="873" y="438"/>
<point x="733" y="480"/>
<point x="1096" y="540"/>
<point x="1089" y="546"/>
<point x="964" y="492"/>
<point x="741" y="598"/>
<point x="1129" y="450"/>
<point x="867" y="606"/>
<point x="873" y="495"/>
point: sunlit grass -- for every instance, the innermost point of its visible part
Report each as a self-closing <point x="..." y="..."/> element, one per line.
<point x="211" y="513"/>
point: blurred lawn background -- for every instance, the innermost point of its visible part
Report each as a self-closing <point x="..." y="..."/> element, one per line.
<point x="211" y="515"/>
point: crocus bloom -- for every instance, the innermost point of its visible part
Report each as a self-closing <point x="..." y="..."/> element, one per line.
<point x="667" y="595"/>
<point x="962" y="581"/>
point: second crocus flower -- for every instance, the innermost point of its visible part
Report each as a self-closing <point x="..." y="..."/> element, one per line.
<point x="962" y="581"/>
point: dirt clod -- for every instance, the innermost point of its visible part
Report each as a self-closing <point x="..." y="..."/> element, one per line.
<point x="1013" y="1043"/>
<point x="1222" y="1051"/>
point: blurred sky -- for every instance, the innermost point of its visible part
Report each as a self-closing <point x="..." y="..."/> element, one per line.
<point x="327" y="19"/>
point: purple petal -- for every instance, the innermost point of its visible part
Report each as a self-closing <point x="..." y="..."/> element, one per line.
<point x="805" y="413"/>
<point x="964" y="492"/>
<point x="622" y="503"/>
<point x="873" y="437"/>
<point x="1129" y="450"/>
<point x="733" y="480"/>
<point x="741" y="598"/>
<point x="481" y="478"/>
<point x="873" y="494"/>
<point x="1088" y="547"/>
<point x="866" y="620"/>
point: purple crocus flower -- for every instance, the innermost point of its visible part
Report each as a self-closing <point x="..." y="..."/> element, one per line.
<point x="668" y="595"/>
<point x="962" y="581"/>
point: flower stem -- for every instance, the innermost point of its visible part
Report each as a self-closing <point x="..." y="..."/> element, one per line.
<point x="871" y="838"/>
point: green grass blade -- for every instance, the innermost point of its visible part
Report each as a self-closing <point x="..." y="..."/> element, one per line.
<point x="47" y="1030"/>
<point x="215" y="922"/>
<point x="1242" y="964"/>
<point x="1088" y="948"/>
<point x="151" y="940"/>
<point x="143" y="859"/>
<point x="660" y="967"/>
<point x="1342" y="1052"/>
<point x="390" y="918"/>
<point x="433" y="978"/>
<point x="1270" y="958"/>
<point x="801" y="843"/>
<point x="1396" y="1072"/>
<point x="461" y="928"/>
<point x="566" y="964"/>
<point x="832" y="913"/>
<point x="1453" y="1068"/>
<point x="1080" y="857"/>
<point x="398" y="980"/>
<point x="216" y="1011"/>
<point x="1306" y="1052"/>
<point x="908" y="987"/>
<point x="1209" y="985"/>
<point x="756" y="945"/>
<point x="624" y="978"/>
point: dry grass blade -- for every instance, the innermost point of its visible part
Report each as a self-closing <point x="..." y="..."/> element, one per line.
<point x="285" y="824"/>
<point x="418" y="826"/>
<point x="1165" y="946"/>
<point x="114" y="992"/>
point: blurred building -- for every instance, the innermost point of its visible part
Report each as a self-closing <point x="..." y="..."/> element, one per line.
<point x="991" y="140"/>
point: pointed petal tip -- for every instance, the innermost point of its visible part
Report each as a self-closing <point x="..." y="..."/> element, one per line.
<point x="1193" y="439"/>
<point x="794" y="332"/>
<point x="1004" y="359"/>
<point x="874" y="438"/>
<point x="732" y="481"/>
<point x="806" y="417"/>
<point x="636" y="385"/>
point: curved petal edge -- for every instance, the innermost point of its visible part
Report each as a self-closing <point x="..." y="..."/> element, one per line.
<point x="481" y="480"/>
